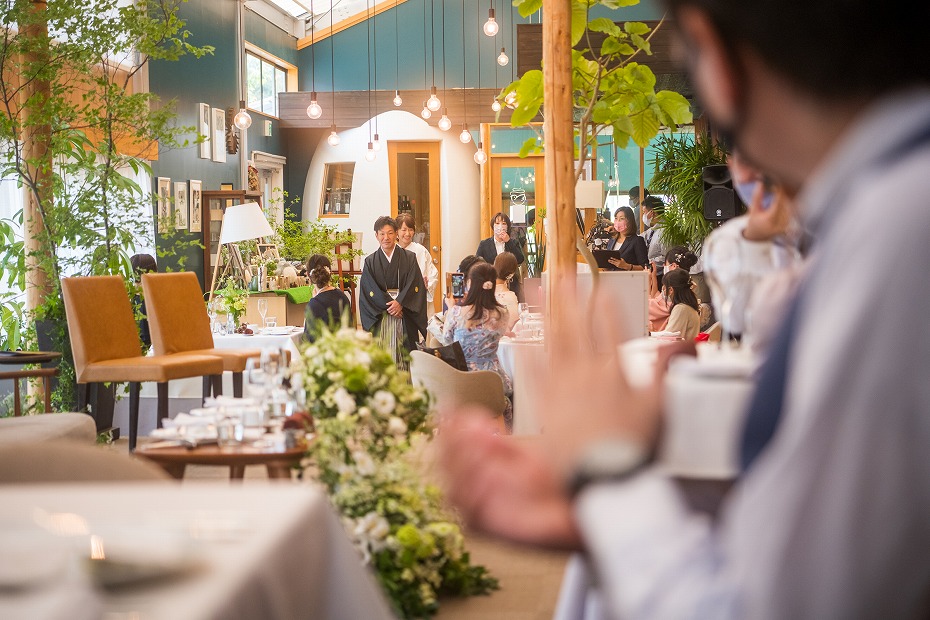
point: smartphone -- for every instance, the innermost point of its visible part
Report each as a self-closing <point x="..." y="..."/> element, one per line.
<point x="456" y="284"/>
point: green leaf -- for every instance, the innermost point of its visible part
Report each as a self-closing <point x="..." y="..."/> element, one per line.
<point x="529" y="98"/>
<point x="645" y="126"/>
<point x="527" y="7"/>
<point x="579" y="21"/>
<point x="618" y="4"/>
<point x="529" y="146"/>
<point x="641" y="43"/>
<point x="613" y="46"/>
<point x="602" y="24"/>
<point x="675" y="106"/>
<point x="636" y="28"/>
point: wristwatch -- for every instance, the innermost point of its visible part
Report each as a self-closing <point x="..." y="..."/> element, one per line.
<point x="607" y="460"/>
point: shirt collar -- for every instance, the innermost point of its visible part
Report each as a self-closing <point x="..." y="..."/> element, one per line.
<point x="391" y="255"/>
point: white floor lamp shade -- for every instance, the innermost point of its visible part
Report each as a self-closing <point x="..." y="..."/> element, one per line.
<point x="241" y="223"/>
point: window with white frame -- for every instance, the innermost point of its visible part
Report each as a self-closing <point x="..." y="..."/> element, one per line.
<point x="264" y="80"/>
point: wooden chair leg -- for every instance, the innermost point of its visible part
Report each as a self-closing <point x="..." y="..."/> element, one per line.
<point x="17" y="406"/>
<point x="217" y="385"/>
<point x="207" y="386"/>
<point x="133" y="414"/>
<point x="47" y="386"/>
<point x="237" y="384"/>
<point x="162" y="403"/>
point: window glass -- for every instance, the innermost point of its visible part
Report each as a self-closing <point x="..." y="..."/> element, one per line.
<point x="264" y="80"/>
<point x="253" y="70"/>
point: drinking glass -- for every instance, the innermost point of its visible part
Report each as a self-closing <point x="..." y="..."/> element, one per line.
<point x="263" y="309"/>
<point x="524" y="310"/>
<point x="271" y="322"/>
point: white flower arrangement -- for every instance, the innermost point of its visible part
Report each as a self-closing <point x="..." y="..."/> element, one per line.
<point x="367" y="415"/>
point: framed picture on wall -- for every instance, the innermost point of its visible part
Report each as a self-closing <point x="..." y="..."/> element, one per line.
<point x="163" y="203"/>
<point x="219" y="135"/>
<point x="226" y="187"/>
<point x="203" y="127"/>
<point x="196" y="198"/>
<point x="181" y="206"/>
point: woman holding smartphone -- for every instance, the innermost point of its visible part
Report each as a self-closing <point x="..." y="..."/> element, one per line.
<point x="501" y="242"/>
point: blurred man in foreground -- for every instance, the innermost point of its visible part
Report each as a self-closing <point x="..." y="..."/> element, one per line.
<point x="831" y="518"/>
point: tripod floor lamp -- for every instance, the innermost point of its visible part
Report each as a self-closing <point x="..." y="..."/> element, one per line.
<point x="240" y="223"/>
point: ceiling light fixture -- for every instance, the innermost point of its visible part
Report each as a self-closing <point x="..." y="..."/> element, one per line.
<point x="491" y="27"/>
<point x="314" y="110"/>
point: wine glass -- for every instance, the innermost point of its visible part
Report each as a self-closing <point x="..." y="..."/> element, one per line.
<point x="524" y="310"/>
<point x="263" y="309"/>
<point x="212" y="311"/>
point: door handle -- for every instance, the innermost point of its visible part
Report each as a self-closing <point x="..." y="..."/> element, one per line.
<point x="435" y="261"/>
<point x="435" y="248"/>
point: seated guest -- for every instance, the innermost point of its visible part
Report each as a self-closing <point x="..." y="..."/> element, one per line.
<point x="328" y="303"/>
<point x="659" y="309"/>
<point x="684" y="317"/>
<point x="464" y="266"/>
<point x="405" y="232"/>
<point x="142" y="263"/>
<point x="506" y="266"/>
<point x="499" y="242"/>
<point x="634" y="255"/>
<point x="478" y="324"/>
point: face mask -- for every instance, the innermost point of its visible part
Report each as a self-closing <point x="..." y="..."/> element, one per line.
<point x="747" y="190"/>
<point x="647" y="219"/>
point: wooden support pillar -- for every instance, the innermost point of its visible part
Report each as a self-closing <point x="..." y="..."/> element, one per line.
<point x="486" y="189"/>
<point x="36" y="152"/>
<point x="560" y="178"/>
<point x="642" y="186"/>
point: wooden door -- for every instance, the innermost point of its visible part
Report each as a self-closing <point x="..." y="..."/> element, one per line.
<point x="518" y="188"/>
<point x="414" y="168"/>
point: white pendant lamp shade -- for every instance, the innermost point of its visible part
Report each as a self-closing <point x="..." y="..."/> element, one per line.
<point x="397" y="99"/>
<point x="314" y="110"/>
<point x="433" y="103"/>
<point x="491" y="27"/>
<point x="243" y="222"/>
<point x="333" y="138"/>
<point x="242" y="120"/>
<point x="444" y="123"/>
<point x="480" y="156"/>
<point x="503" y="59"/>
<point x="465" y="136"/>
<point x="496" y="105"/>
<point x="425" y="113"/>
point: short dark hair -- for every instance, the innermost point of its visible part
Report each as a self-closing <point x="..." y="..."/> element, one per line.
<point x="679" y="281"/>
<point x="653" y="202"/>
<point x="405" y="218"/>
<point x="385" y="220"/>
<point x="142" y="263"/>
<point x="818" y="44"/>
<point x="468" y="262"/>
<point x="319" y="270"/>
<point x="503" y="216"/>
<point x="630" y="220"/>
<point x="681" y="256"/>
<point x="506" y="265"/>
<point x="634" y="192"/>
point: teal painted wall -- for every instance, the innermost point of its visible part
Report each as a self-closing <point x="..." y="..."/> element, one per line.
<point x="408" y="71"/>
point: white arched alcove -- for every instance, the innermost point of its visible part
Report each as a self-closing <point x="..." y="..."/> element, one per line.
<point x="371" y="191"/>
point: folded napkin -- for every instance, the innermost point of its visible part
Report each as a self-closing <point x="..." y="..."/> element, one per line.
<point x="229" y="401"/>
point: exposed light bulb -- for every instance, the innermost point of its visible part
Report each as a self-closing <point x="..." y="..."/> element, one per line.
<point x="480" y="156"/>
<point x="242" y="120"/>
<point x="496" y="106"/>
<point x="425" y="113"/>
<point x="377" y="143"/>
<point x="433" y="103"/>
<point x="333" y="138"/>
<point x="503" y="59"/>
<point x="397" y="100"/>
<point x="511" y="99"/>
<point x="465" y="136"/>
<point x="491" y="26"/>
<point x="314" y="110"/>
<point x="370" y="153"/>
<point x="444" y="123"/>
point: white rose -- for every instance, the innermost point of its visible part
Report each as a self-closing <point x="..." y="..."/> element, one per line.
<point x="383" y="402"/>
<point x="362" y="359"/>
<point x="396" y="426"/>
<point x="364" y="412"/>
<point x="345" y="402"/>
<point x="362" y="335"/>
<point x="364" y="464"/>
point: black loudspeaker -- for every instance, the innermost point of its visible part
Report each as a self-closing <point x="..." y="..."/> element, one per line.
<point x="720" y="201"/>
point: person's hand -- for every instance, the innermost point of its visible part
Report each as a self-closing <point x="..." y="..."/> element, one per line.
<point x="503" y="237"/>
<point x="767" y="224"/>
<point x="394" y="308"/>
<point x="503" y="485"/>
<point x="619" y="263"/>
<point x="653" y="280"/>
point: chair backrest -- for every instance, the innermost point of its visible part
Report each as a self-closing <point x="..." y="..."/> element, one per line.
<point x="71" y="461"/>
<point x="453" y="387"/>
<point x="100" y="320"/>
<point x="176" y="311"/>
<point x="713" y="332"/>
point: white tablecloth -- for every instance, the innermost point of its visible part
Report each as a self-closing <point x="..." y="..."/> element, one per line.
<point x="516" y="359"/>
<point x="260" y="552"/>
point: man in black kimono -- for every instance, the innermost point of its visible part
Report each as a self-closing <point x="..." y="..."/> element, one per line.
<point x="397" y="322"/>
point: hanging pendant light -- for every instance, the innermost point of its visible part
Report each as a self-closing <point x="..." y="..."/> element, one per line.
<point x="333" y="138"/>
<point x="433" y="103"/>
<point x="511" y="99"/>
<point x="242" y="119"/>
<point x="503" y="59"/>
<point x="425" y="113"/>
<point x="444" y="123"/>
<point x="376" y="143"/>
<point x="397" y="99"/>
<point x="496" y="105"/>
<point x="465" y="136"/>
<point x="370" y="153"/>
<point x="480" y="156"/>
<point x="314" y="110"/>
<point x="491" y="27"/>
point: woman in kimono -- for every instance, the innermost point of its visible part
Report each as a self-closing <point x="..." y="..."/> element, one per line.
<point x="392" y="297"/>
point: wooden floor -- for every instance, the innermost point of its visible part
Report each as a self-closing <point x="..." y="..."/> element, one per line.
<point x="529" y="578"/>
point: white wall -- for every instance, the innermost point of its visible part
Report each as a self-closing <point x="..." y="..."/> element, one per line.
<point x="371" y="186"/>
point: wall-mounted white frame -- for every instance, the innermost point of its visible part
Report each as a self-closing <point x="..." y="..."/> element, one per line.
<point x="219" y="135"/>
<point x="163" y="202"/>
<point x="181" y="205"/>
<point x="203" y="127"/>
<point x="196" y="198"/>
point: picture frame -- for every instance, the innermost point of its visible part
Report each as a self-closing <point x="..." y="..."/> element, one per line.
<point x="163" y="203"/>
<point x="219" y="135"/>
<point x="226" y="187"/>
<point x="268" y="251"/>
<point x="203" y="127"/>
<point x="196" y="212"/>
<point x="181" y="205"/>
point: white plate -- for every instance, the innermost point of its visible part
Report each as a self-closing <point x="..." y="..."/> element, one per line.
<point x="278" y="331"/>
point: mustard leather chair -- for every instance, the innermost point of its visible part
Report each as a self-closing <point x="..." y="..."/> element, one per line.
<point x="178" y="322"/>
<point x="106" y="347"/>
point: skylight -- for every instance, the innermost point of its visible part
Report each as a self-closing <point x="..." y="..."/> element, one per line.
<point x="291" y="7"/>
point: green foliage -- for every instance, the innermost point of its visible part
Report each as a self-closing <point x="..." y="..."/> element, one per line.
<point x="299" y="240"/>
<point x="612" y="93"/>
<point x="94" y="128"/>
<point x="679" y="162"/>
